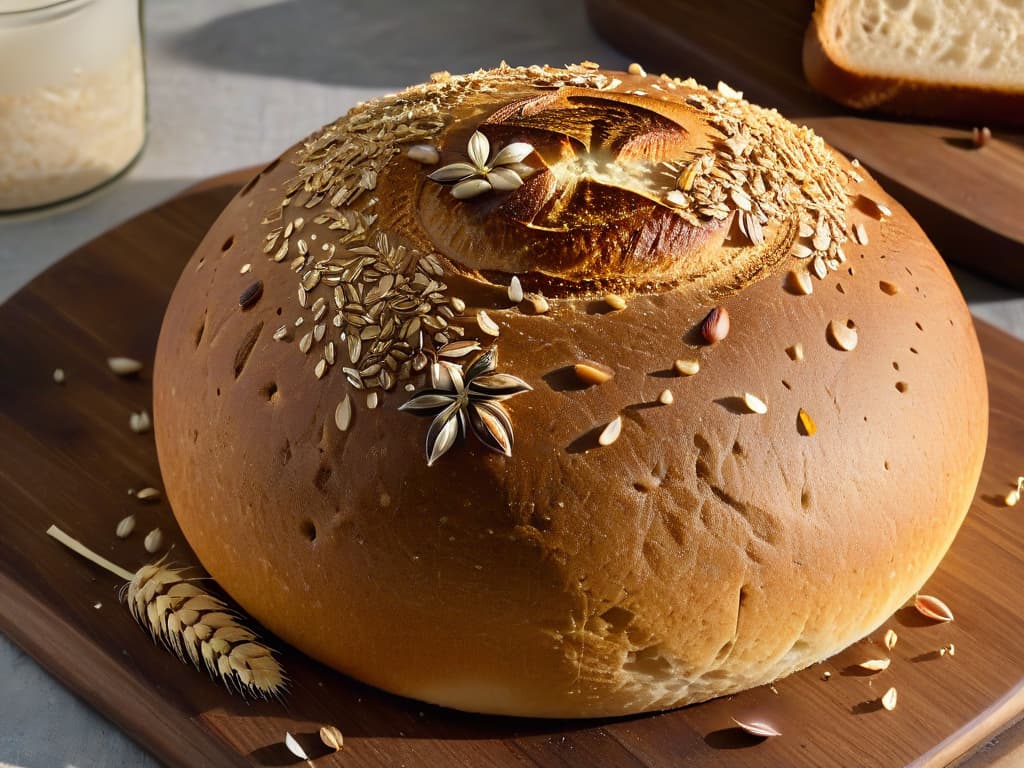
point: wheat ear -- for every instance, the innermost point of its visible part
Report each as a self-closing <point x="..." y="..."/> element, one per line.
<point x="196" y="626"/>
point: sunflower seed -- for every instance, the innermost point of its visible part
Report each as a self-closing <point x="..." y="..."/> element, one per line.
<point x="796" y="352"/>
<point x="343" y="414"/>
<point x="716" y="325"/>
<point x="125" y="527"/>
<point x="819" y="267"/>
<point x="666" y="397"/>
<point x="486" y="324"/>
<point x="320" y="368"/>
<point x="802" y="251"/>
<point x="615" y="301"/>
<point x="686" y="367"/>
<point x="58" y="375"/>
<point x="148" y="494"/>
<point x="860" y="233"/>
<point x="124" y="366"/>
<point x="842" y="335"/>
<point x="465" y="190"/>
<point x="875" y="665"/>
<point x="538" y="303"/>
<point x="306" y="342"/>
<point x="756" y="728"/>
<point x="890" y="639"/>
<point x="372" y="400"/>
<point x="754" y="403"/>
<point x="457" y="349"/>
<point x="153" y="541"/>
<point x="515" y="290"/>
<point x="244" y="269"/>
<point x="251" y="295"/>
<point x="636" y="69"/>
<point x="294" y="747"/>
<point x="331" y="737"/>
<point x="140" y="422"/>
<point x="933" y="608"/>
<point x="611" y="432"/>
<point x="423" y="153"/>
<point x="889" y="700"/>
<point x="593" y="373"/>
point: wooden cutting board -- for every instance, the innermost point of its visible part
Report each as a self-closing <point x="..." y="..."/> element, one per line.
<point x="69" y="458"/>
<point x="969" y="201"/>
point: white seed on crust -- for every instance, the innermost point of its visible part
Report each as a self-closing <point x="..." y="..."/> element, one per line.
<point x="611" y="432"/>
<point x="843" y="335"/>
<point x="754" y="403"/>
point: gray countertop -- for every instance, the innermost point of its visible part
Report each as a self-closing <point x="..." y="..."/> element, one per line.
<point x="230" y="84"/>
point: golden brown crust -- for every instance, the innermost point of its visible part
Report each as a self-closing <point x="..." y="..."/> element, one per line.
<point x="708" y="549"/>
<point x="902" y="96"/>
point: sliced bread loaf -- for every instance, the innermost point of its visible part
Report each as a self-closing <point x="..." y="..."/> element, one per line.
<point x="960" y="59"/>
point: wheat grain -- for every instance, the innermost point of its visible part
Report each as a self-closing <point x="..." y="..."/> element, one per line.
<point x="196" y="626"/>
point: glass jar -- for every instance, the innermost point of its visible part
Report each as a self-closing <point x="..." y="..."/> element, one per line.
<point x="72" y="97"/>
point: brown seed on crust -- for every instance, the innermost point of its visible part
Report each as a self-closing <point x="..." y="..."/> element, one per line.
<point x="590" y="372"/>
<point x="251" y="295"/>
<point x="716" y="325"/>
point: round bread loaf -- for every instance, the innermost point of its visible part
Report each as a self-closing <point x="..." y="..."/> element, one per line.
<point x="568" y="393"/>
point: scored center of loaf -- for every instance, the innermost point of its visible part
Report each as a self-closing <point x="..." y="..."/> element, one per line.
<point x="597" y="211"/>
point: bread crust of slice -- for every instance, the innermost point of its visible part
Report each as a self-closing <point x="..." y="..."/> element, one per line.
<point x="828" y="73"/>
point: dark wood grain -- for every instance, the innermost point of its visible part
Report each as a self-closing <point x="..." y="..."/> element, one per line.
<point x="968" y="200"/>
<point x="69" y="459"/>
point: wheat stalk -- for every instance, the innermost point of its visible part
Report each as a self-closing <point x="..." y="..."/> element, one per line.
<point x="193" y="624"/>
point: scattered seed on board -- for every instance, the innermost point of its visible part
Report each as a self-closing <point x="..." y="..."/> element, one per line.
<point x="251" y="295"/>
<point x="140" y="422"/>
<point x="1013" y="497"/>
<point x="666" y="397"/>
<point x="686" y="367"/>
<point x="294" y="747"/>
<point x="372" y="400"/>
<point x="343" y="414"/>
<point x="244" y="269"/>
<point x="154" y="540"/>
<point x="826" y="675"/>
<point x="611" y="432"/>
<point x="981" y="136"/>
<point x="842" y="335"/>
<point x="148" y="494"/>
<point x="889" y="700"/>
<point x="58" y="375"/>
<point x="796" y="352"/>
<point x="890" y="639"/>
<point x="636" y="69"/>
<point x="615" y="301"/>
<point x="716" y="325"/>
<point x="124" y="366"/>
<point x="593" y="373"/>
<point x="125" y="527"/>
<point x="933" y="608"/>
<point x="860" y="233"/>
<point x="754" y="404"/>
<point x="755" y="728"/>
<point x="515" y="290"/>
<point x="331" y="737"/>
<point x="875" y="665"/>
<point x="487" y="325"/>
